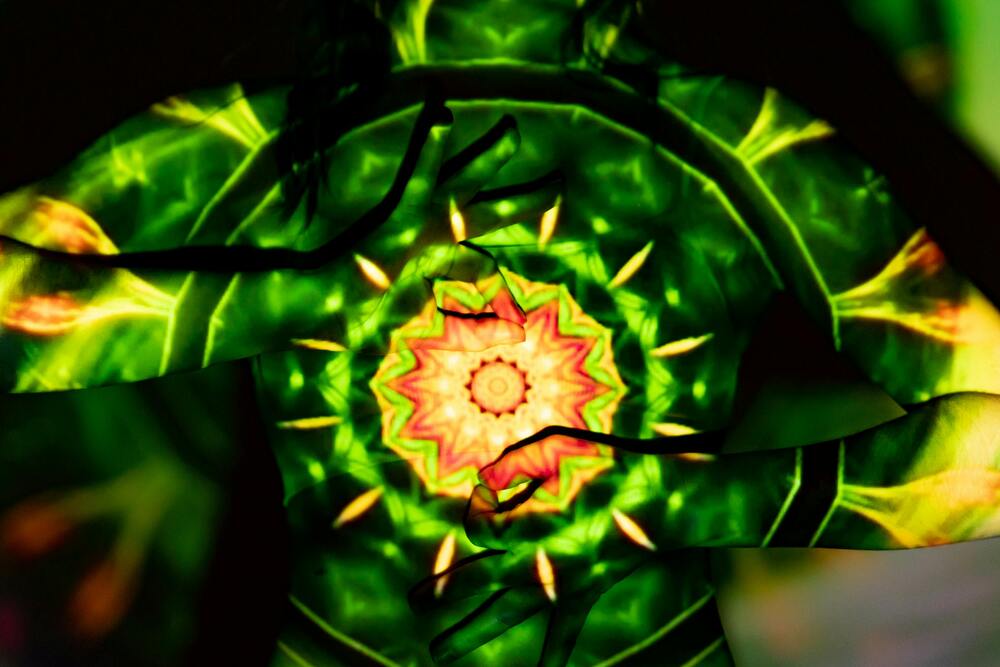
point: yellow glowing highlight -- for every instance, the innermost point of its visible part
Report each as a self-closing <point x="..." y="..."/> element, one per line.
<point x="373" y="272"/>
<point x="769" y="135"/>
<point x="632" y="530"/>
<point x="632" y="266"/>
<point x="357" y="507"/>
<point x="445" y="557"/>
<point x="946" y="507"/>
<point x="457" y="222"/>
<point x="546" y="574"/>
<point x="59" y="314"/>
<point x="310" y="423"/>
<point x="695" y="457"/>
<point x="318" y="344"/>
<point x="236" y="121"/>
<point x="672" y="429"/>
<point x="547" y="226"/>
<point x="410" y="38"/>
<point x="681" y="346"/>
<point x="61" y="226"/>
<point x="900" y="294"/>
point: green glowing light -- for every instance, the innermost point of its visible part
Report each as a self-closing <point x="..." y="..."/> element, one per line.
<point x="317" y="471"/>
<point x="675" y="501"/>
<point x="699" y="389"/>
<point x="600" y="225"/>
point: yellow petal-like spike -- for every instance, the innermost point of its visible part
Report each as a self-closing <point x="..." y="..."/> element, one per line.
<point x="317" y="344"/>
<point x="310" y="423"/>
<point x="546" y="574"/>
<point x="445" y="557"/>
<point x="632" y="266"/>
<point x="676" y="347"/>
<point x="771" y="134"/>
<point x="457" y="222"/>
<point x="548" y="224"/>
<point x="671" y="429"/>
<point x="373" y="272"/>
<point x="697" y="457"/>
<point x="358" y="506"/>
<point x="632" y="530"/>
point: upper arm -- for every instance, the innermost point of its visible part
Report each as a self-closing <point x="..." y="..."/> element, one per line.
<point x="163" y="179"/>
<point x="908" y="318"/>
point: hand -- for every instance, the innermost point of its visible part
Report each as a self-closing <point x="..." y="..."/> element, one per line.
<point x="562" y="564"/>
<point x="534" y="561"/>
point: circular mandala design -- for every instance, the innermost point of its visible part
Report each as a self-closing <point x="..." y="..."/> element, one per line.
<point x="455" y="391"/>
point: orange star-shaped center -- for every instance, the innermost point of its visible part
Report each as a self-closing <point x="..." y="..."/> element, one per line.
<point x="456" y="389"/>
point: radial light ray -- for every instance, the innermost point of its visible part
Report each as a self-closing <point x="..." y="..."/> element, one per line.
<point x="546" y="573"/>
<point x="631" y="529"/>
<point x="357" y="507"/>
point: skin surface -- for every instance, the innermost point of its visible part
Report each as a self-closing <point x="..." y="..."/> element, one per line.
<point x="476" y="200"/>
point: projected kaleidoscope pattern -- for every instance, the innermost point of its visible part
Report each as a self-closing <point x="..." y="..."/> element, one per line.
<point x="456" y="390"/>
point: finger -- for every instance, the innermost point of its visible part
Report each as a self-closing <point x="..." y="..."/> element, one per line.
<point x="496" y="475"/>
<point x="521" y="463"/>
<point x="387" y="250"/>
<point x="472" y="168"/>
<point x="565" y="624"/>
<point x="464" y="175"/>
<point x="471" y="284"/>
<point x="420" y="188"/>
<point x="497" y="524"/>
<point x="527" y="200"/>
<point x="499" y="613"/>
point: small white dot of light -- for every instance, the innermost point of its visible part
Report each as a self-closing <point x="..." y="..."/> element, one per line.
<point x="444" y="384"/>
<point x="496" y="438"/>
<point x="449" y="411"/>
